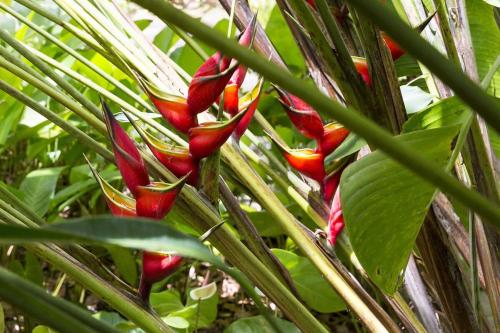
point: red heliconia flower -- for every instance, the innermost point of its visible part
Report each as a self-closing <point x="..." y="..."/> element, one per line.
<point x="127" y="156"/>
<point x="175" y="158"/>
<point x="156" y="267"/>
<point x="173" y="108"/>
<point x="330" y="185"/>
<point x="307" y="161"/>
<point x="236" y="80"/>
<point x="396" y="50"/>
<point x="362" y="68"/>
<point x="118" y="203"/>
<point x="210" y="136"/>
<point x="335" y="219"/>
<point x="249" y="104"/>
<point x="208" y="82"/>
<point x="312" y="3"/>
<point x="334" y="135"/>
<point x="302" y="115"/>
<point x="156" y="200"/>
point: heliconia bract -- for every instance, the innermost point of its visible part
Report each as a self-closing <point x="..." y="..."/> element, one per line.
<point x="334" y="135"/>
<point x="208" y="82"/>
<point x="173" y="108"/>
<point x="396" y="50"/>
<point x="362" y="68"/>
<point x="156" y="200"/>
<point x="335" y="219"/>
<point x="157" y="266"/>
<point x="210" y="136"/>
<point x="330" y="185"/>
<point x="302" y="115"/>
<point x="118" y="203"/>
<point x="249" y="104"/>
<point x="236" y="80"/>
<point x="306" y="161"/>
<point x="175" y="158"/>
<point x="127" y="156"/>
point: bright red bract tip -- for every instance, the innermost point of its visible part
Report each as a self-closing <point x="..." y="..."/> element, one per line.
<point x="157" y="266"/>
<point x="208" y="137"/>
<point x="362" y="68"/>
<point x="208" y="82"/>
<point x="156" y="200"/>
<point x="127" y="156"/>
<point x="302" y="115"/>
<point x="334" y="135"/>
<point x="307" y="162"/>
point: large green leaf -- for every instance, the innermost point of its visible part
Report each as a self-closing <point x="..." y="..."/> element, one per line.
<point x="55" y="312"/>
<point x="384" y="205"/>
<point x="135" y="233"/>
<point x="39" y="187"/>
<point x="258" y="324"/>
<point x="311" y="286"/>
<point x="446" y="112"/>
<point x="485" y="39"/>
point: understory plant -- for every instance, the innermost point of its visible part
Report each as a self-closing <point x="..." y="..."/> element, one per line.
<point x="296" y="166"/>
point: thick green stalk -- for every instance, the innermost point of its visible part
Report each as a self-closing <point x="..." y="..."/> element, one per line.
<point x="288" y="222"/>
<point x="24" y="51"/>
<point x="339" y="63"/>
<point x="77" y="56"/>
<point x="61" y="98"/>
<point x="350" y="118"/>
<point x="66" y="25"/>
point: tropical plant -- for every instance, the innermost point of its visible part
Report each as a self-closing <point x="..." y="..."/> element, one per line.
<point x="336" y="162"/>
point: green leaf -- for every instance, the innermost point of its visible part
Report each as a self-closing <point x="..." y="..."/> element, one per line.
<point x="39" y="187"/>
<point x="414" y="98"/>
<point x="166" y="302"/>
<point x="43" y="329"/>
<point x="258" y="324"/>
<point x="485" y="39"/>
<point x="125" y="263"/>
<point x="111" y="318"/>
<point x="282" y="39"/>
<point x="384" y="205"/>
<point x="204" y="292"/>
<point x="311" y="286"/>
<point x="176" y="322"/>
<point x="207" y="311"/>
<point x="446" y="112"/>
<point x="351" y="144"/>
<point x="33" y="269"/>
<point x="52" y="311"/>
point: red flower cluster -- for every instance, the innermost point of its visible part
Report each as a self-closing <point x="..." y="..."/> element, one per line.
<point x="310" y="162"/>
<point x="151" y="199"/>
<point x="218" y="75"/>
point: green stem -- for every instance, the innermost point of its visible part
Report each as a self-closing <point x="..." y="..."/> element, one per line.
<point x="350" y="118"/>
<point x="24" y="51"/>
<point x="61" y="98"/>
<point x="125" y="304"/>
<point x="77" y="56"/>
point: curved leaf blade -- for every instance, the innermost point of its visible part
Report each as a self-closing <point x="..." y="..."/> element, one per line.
<point x="384" y="205"/>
